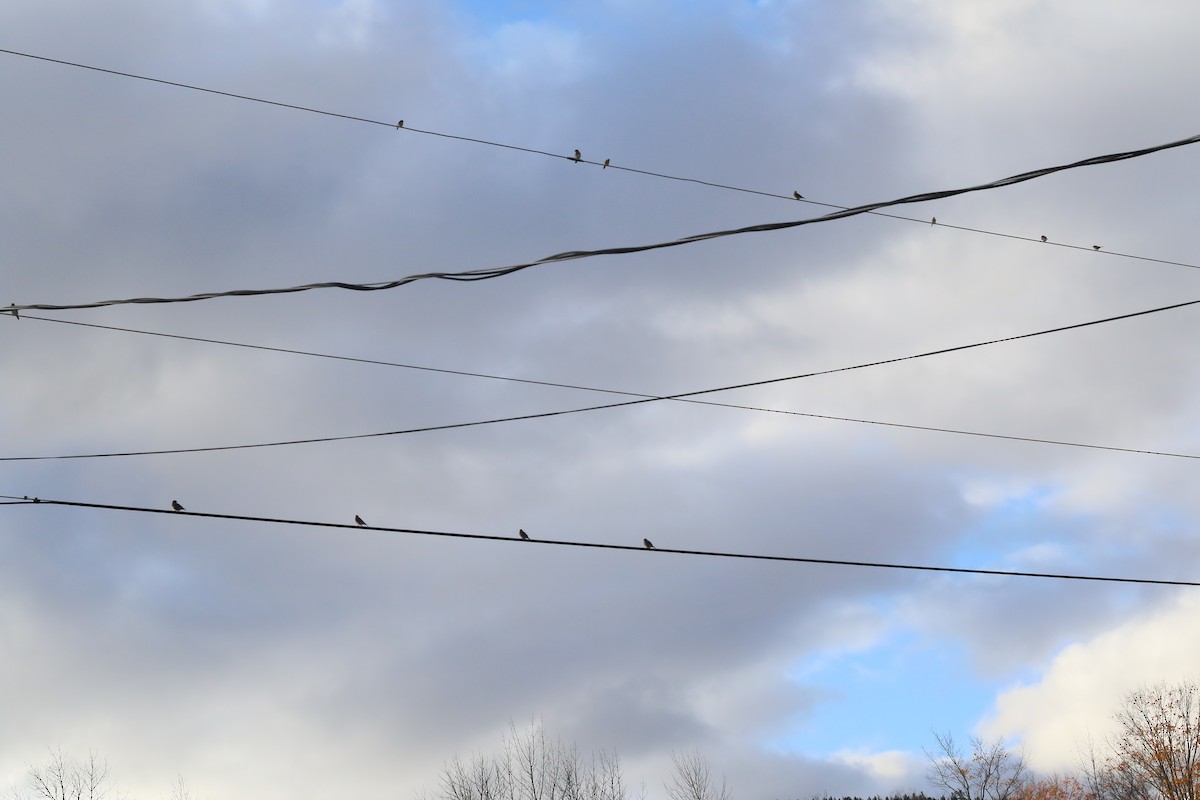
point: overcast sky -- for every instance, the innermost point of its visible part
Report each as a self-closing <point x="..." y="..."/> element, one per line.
<point x="276" y="661"/>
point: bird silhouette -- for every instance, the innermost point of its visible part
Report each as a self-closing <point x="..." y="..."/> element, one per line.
<point x="358" y="520"/>
<point x="797" y="195"/>
<point x="1095" y="247"/>
<point x="16" y="313"/>
<point x="524" y="535"/>
<point x="646" y="543"/>
<point x="607" y="161"/>
<point x="399" y="124"/>
<point x="933" y="221"/>
<point x="175" y="506"/>
<point x="578" y="155"/>
<point x="1043" y="238"/>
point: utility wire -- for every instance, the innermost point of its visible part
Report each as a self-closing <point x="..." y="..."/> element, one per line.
<point x="571" y="255"/>
<point x="639" y="401"/>
<point x="606" y="164"/>
<point x="581" y="388"/>
<point x="604" y="546"/>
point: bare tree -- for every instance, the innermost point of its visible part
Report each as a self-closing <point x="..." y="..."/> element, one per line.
<point x="180" y="790"/>
<point x="532" y="766"/>
<point x="478" y="779"/>
<point x="692" y="780"/>
<point x="62" y="778"/>
<point x="608" y="782"/>
<point x="990" y="772"/>
<point x="536" y="762"/>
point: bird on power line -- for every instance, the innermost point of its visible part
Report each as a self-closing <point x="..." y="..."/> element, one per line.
<point x="646" y="543"/>
<point x="797" y="195"/>
<point x="1043" y="237"/>
<point x="607" y="161"/>
<point x="1095" y="247"/>
<point x="523" y="534"/>
<point x="578" y="156"/>
<point x="16" y="313"/>
<point x="399" y="124"/>
<point x="175" y="506"/>
<point x="359" y="521"/>
<point x="933" y="221"/>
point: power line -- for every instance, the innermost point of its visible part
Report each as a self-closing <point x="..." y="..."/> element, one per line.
<point x="488" y="273"/>
<point x="604" y="546"/>
<point x="639" y="401"/>
<point x="578" y="387"/>
<point x="476" y="140"/>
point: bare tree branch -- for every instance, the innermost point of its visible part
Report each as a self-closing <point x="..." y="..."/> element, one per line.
<point x="990" y="772"/>
<point x="692" y="780"/>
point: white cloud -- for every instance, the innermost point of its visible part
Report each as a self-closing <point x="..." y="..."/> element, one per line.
<point x="898" y="769"/>
<point x="1077" y="693"/>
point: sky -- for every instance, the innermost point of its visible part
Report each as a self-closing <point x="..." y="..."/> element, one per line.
<point x="284" y="661"/>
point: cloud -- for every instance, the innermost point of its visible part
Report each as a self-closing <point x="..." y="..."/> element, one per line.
<point x="222" y="650"/>
<point x="891" y="768"/>
<point x="1073" y="700"/>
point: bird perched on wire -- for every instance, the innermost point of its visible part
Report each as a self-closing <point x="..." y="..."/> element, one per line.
<point x="797" y="195"/>
<point x="607" y="161"/>
<point x="646" y="543"/>
<point x="578" y="156"/>
<point x="16" y="314"/>
<point x="1095" y="247"/>
<point x="1043" y="238"/>
<point x="523" y="534"/>
<point x="359" y="521"/>
<point x="176" y="507"/>
<point x="933" y="221"/>
<point x="399" y="124"/>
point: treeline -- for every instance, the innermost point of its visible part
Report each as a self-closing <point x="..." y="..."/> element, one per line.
<point x="1154" y="755"/>
<point x="909" y="796"/>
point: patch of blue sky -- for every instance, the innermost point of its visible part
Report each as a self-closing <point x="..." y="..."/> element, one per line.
<point x="1014" y="523"/>
<point x="1025" y="530"/>
<point x="760" y="21"/>
<point x="529" y="42"/>
<point x="890" y="696"/>
<point x="497" y="13"/>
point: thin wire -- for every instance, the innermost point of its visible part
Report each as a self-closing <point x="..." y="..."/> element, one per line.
<point x="488" y="273"/>
<point x="640" y="401"/>
<point x="606" y="164"/>
<point x="603" y="546"/>
<point x="578" y="387"/>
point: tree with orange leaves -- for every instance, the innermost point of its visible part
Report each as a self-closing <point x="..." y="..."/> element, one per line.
<point x="1158" y="741"/>
<point x="1055" y="788"/>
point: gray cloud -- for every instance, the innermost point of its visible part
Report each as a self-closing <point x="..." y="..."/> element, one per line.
<point x="224" y="650"/>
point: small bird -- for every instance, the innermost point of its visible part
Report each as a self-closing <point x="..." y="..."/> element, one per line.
<point x="524" y="535"/>
<point x="399" y="124"/>
<point x="933" y="221"/>
<point x="607" y="161"/>
<point x="646" y="543"/>
<point x="578" y="155"/>
<point x="359" y="520"/>
<point x="1043" y="238"/>
<point x="175" y="506"/>
<point x="797" y="195"/>
<point x="1095" y="247"/>
<point x="15" y="312"/>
